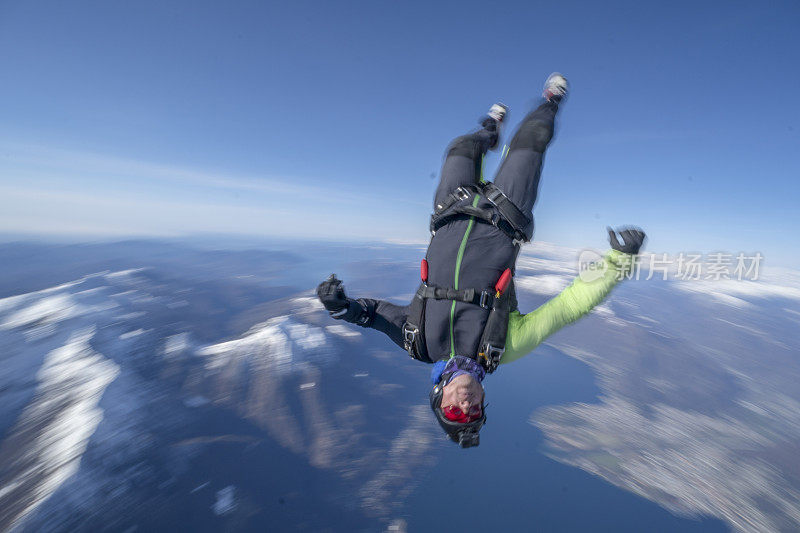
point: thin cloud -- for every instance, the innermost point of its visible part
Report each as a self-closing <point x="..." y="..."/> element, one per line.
<point x="60" y="212"/>
<point x="46" y="162"/>
<point x="55" y="191"/>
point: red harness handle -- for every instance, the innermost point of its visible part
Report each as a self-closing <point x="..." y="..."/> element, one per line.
<point x="502" y="283"/>
<point x="500" y="286"/>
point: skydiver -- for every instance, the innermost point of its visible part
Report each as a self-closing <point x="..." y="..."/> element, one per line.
<point x="464" y="317"/>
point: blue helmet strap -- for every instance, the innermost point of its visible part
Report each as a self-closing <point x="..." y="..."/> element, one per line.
<point x="437" y="370"/>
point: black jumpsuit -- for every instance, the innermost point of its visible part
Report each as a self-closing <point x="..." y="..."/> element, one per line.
<point x="468" y="252"/>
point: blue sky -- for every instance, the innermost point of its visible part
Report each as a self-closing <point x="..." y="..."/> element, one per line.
<point x="330" y="119"/>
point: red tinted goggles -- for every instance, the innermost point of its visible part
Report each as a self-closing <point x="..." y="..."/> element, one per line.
<point x="455" y="414"/>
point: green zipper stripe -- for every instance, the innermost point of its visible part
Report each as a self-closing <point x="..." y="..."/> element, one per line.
<point x="458" y="271"/>
<point x="452" y="345"/>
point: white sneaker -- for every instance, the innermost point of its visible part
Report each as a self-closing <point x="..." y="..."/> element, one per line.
<point x="498" y="112"/>
<point x="555" y="87"/>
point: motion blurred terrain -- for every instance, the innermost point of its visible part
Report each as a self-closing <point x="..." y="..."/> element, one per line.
<point x="156" y="385"/>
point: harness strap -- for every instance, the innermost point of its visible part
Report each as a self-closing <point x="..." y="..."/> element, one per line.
<point x="483" y="298"/>
<point x="508" y="210"/>
<point x="465" y="192"/>
<point x="508" y="218"/>
<point x="414" y="329"/>
<point x="493" y="339"/>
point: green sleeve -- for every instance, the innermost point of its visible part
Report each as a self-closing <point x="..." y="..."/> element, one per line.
<point x="526" y="332"/>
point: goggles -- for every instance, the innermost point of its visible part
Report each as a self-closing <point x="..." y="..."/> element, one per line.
<point x="455" y="414"/>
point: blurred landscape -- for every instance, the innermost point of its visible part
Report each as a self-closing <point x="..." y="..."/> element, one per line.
<point x="155" y="385"/>
<point x="175" y="372"/>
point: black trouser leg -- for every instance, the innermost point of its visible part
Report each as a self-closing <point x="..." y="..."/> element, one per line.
<point x="519" y="173"/>
<point x="462" y="163"/>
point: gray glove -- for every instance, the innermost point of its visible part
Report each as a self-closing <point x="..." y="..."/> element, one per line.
<point x="633" y="239"/>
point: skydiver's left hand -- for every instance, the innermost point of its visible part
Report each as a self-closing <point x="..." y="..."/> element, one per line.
<point x="331" y="293"/>
<point x="633" y="239"/>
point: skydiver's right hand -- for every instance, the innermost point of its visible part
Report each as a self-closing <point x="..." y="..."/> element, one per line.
<point x="331" y="293"/>
<point x="633" y="239"/>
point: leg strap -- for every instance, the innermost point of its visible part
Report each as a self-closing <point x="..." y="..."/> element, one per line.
<point x="506" y="216"/>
